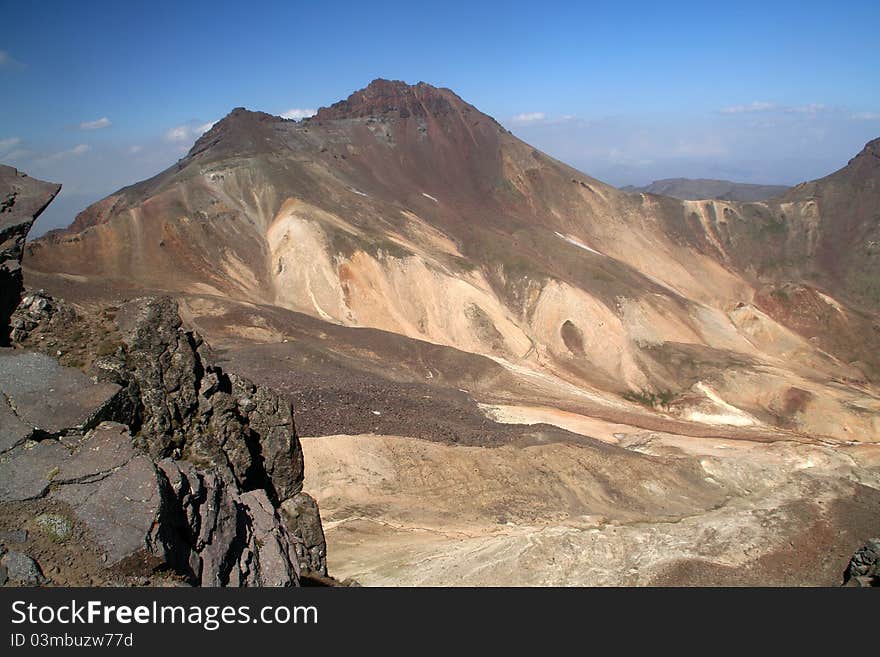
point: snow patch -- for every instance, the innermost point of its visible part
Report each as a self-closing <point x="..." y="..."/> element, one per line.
<point x="578" y="243"/>
<point x="831" y="302"/>
<point x="430" y="197"/>
<point x="729" y="414"/>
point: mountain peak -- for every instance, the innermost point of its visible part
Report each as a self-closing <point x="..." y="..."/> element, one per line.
<point x="241" y="128"/>
<point x="861" y="169"/>
<point x="871" y="148"/>
<point x="393" y="98"/>
<point x="241" y="116"/>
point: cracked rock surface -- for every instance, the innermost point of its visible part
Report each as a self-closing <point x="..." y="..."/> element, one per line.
<point x="166" y="461"/>
<point x="48" y="398"/>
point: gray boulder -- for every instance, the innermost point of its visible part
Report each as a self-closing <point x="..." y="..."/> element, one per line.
<point x="113" y="489"/>
<point x="21" y="569"/>
<point x="274" y="547"/>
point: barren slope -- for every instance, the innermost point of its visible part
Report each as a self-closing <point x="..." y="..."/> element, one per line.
<point x="426" y="274"/>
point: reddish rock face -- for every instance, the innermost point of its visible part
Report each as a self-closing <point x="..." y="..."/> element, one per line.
<point x="396" y="99"/>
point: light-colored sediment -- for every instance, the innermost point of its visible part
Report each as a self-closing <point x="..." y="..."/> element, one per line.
<point x="399" y="511"/>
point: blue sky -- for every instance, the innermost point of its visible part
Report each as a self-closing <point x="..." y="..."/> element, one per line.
<point x="101" y="94"/>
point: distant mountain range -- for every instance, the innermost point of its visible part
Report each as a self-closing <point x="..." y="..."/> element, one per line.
<point x="693" y="189"/>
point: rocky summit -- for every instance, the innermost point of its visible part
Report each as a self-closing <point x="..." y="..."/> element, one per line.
<point x="503" y="371"/>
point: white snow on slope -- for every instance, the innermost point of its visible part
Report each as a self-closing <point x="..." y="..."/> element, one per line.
<point x="578" y="243"/>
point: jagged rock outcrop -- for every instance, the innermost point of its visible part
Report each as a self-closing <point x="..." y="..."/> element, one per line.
<point x="864" y="567"/>
<point x="303" y="519"/>
<point x="197" y="486"/>
<point x="145" y="516"/>
<point x="162" y="459"/>
<point x="218" y="535"/>
<point x="184" y="406"/>
<point x="181" y="405"/>
<point x="35" y="308"/>
<point x="22" y="199"/>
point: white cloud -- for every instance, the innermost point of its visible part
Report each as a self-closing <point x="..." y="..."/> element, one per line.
<point x="103" y="122"/>
<point x="76" y="151"/>
<point x="298" y="113"/>
<point x="765" y="106"/>
<point x="866" y="116"/>
<point x="528" y="117"/>
<point x="8" y="144"/>
<point x="179" y="133"/>
<point x="7" y="61"/>
<point x="812" y="108"/>
<point x="135" y="149"/>
<point x="755" y="106"/>
<point x="10" y="151"/>
<point x="187" y="133"/>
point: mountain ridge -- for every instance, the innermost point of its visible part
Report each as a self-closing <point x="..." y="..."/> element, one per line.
<point x="695" y="189"/>
<point x="410" y="272"/>
<point x="336" y="215"/>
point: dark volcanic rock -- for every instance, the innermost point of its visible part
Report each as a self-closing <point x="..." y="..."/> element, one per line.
<point x="49" y="398"/>
<point x="180" y="404"/>
<point x="277" y="551"/>
<point x="864" y="567"/>
<point x="35" y="308"/>
<point x="392" y="97"/>
<point x="143" y="516"/>
<point x="22" y="199"/>
<point x="113" y="489"/>
<point x="13" y="431"/>
<point x="197" y="485"/>
<point x="218" y="536"/>
<point x="303" y="520"/>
